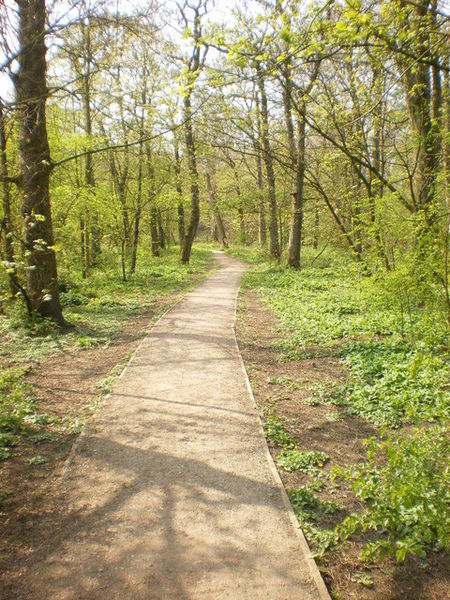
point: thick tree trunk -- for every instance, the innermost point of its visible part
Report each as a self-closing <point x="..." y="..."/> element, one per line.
<point x="274" y="247"/>
<point x="262" y="234"/>
<point x="179" y="188"/>
<point x="31" y="94"/>
<point x="193" y="173"/>
<point x="219" y="229"/>
<point x="6" y="226"/>
<point x="418" y="85"/>
<point x="296" y="224"/>
<point x="297" y="160"/>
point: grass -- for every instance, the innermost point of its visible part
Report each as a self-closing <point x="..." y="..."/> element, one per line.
<point x="97" y="306"/>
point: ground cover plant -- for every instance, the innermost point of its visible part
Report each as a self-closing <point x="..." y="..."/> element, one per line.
<point x="395" y="377"/>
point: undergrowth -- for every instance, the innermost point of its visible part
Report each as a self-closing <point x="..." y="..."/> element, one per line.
<point x="98" y="307"/>
<point x="392" y="338"/>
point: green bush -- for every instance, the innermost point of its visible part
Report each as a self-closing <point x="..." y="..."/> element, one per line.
<point x="393" y="384"/>
<point x="405" y="486"/>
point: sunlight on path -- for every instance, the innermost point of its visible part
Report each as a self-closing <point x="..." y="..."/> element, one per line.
<point x="170" y="493"/>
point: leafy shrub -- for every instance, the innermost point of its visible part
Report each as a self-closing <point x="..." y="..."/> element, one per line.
<point x="394" y="384"/>
<point x="406" y="497"/>
<point x="306" y="504"/>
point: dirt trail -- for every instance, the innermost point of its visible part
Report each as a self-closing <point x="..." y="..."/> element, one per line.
<point x="169" y="493"/>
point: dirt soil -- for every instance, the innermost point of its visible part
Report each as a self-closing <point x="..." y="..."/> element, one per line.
<point x="322" y="427"/>
<point x="169" y="493"/>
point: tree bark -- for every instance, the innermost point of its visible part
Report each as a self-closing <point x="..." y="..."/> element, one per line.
<point x="418" y="85"/>
<point x="31" y="94"/>
<point x="137" y="214"/>
<point x="219" y="229"/>
<point x="179" y="189"/>
<point x="296" y="224"/>
<point x="89" y="179"/>
<point x="262" y="234"/>
<point x="6" y="226"/>
<point x="274" y="247"/>
<point x="193" y="173"/>
<point x="161" y="234"/>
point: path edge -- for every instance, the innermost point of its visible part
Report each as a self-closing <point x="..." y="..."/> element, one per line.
<point x="73" y="450"/>
<point x="313" y="568"/>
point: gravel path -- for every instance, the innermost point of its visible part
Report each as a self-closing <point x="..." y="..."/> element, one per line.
<point x="170" y="492"/>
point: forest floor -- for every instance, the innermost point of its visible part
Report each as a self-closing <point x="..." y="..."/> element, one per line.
<point x="283" y="388"/>
<point x="169" y="491"/>
<point x="63" y="378"/>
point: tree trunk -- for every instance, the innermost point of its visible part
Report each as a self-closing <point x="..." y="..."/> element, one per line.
<point x="179" y="188"/>
<point x="6" y="226"/>
<point x="377" y="188"/>
<point x="154" y="243"/>
<point x="274" y="248"/>
<point x="137" y="214"/>
<point x="219" y="229"/>
<point x="138" y="211"/>
<point x="154" y="231"/>
<point x="316" y="225"/>
<point x="262" y="235"/>
<point x="31" y="94"/>
<point x="296" y="224"/>
<point x="193" y="173"/>
<point x="85" y="243"/>
<point x="89" y="179"/>
<point x="417" y="86"/>
<point x="161" y="234"/>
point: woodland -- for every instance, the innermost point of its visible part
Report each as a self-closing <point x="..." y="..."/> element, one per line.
<point x="309" y="140"/>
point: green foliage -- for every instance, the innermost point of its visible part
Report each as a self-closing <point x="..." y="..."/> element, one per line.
<point x="393" y="384"/>
<point x="252" y="255"/>
<point x="99" y="305"/>
<point x="301" y="460"/>
<point x="390" y="335"/>
<point x="37" y="460"/>
<point x="276" y="434"/>
<point x="37" y="438"/>
<point x="317" y="306"/>
<point x="405" y="486"/>
<point x="309" y="509"/>
<point x="15" y="405"/>
<point x="335" y="302"/>
<point x="308" y="505"/>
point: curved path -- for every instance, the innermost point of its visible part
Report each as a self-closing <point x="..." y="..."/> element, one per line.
<point x="170" y="492"/>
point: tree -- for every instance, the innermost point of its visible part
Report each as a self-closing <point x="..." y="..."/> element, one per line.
<point x="35" y="164"/>
<point x="192" y="71"/>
